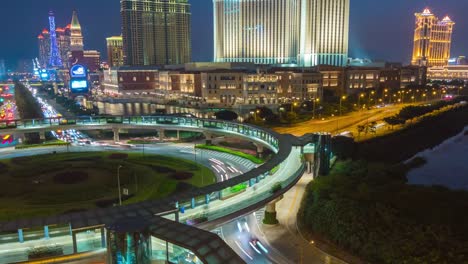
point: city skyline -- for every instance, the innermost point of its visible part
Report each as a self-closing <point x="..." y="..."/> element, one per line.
<point x="381" y="39"/>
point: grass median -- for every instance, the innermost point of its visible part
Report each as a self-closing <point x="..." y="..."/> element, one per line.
<point x="70" y="182"/>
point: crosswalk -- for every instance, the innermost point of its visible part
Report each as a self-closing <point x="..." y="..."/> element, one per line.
<point x="259" y="215"/>
<point x="225" y="156"/>
<point x="218" y="231"/>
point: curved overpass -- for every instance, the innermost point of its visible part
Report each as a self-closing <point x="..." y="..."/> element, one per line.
<point x="209" y="205"/>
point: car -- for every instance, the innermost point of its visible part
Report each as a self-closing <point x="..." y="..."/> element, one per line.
<point x="257" y="246"/>
<point x="242" y="226"/>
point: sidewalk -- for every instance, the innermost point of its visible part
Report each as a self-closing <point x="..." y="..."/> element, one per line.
<point x="285" y="236"/>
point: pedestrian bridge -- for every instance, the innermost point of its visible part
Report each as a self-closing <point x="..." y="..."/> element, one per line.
<point x="81" y="232"/>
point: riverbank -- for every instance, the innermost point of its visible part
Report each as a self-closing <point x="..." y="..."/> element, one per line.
<point x="446" y="165"/>
<point x="366" y="206"/>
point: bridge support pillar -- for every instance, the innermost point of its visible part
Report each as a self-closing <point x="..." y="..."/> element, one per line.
<point x="270" y="213"/>
<point x="259" y="150"/>
<point x="42" y="136"/>
<point x="116" y="134"/>
<point x="208" y="138"/>
<point x="161" y="135"/>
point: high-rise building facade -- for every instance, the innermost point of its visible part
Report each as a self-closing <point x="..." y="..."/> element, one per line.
<point x="63" y="42"/>
<point x="44" y="47"/>
<point x="263" y="32"/>
<point x="432" y="39"/>
<point x="156" y="32"/>
<point x="324" y="32"/>
<point x="115" y="53"/>
<point x="300" y="32"/>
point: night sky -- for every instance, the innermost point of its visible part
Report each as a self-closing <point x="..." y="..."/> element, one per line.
<point x="380" y="29"/>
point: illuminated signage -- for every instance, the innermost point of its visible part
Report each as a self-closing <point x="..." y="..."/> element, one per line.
<point x="79" y="84"/>
<point x="78" y="71"/>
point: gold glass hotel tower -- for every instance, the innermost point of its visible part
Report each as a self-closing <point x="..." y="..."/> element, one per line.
<point x="301" y="32"/>
<point x="156" y="32"/>
<point x="432" y="39"/>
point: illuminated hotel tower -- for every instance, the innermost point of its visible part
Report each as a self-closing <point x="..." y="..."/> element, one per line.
<point x="432" y="39"/>
<point x="76" y="37"/>
<point x="156" y="32"/>
<point x="263" y="32"/>
<point x="304" y="32"/>
<point x="324" y="32"/>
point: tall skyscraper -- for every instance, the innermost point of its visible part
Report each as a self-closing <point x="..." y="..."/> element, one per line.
<point x="324" y="32"/>
<point x="259" y="31"/>
<point x="432" y="39"/>
<point x="156" y="32"/>
<point x="302" y="32"/>
<point x="63" y="42"/>
<point x="115" y="53"/>
<point x="44" y="47"/>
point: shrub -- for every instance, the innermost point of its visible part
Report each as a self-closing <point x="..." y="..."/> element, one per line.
<point x="71" y="177"/>
<point x="276" y="187"/>
<point x="182" y="175"/>
<point x="162" y="169"/>
<point x="119" y="156"/>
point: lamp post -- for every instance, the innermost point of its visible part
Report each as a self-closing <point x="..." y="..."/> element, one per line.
<point x="281" y="110"/>
<point x="341" y="100"/>
<point x="316" y="100"/>
<point x="118" y="184"/>
<point x="359" y="101"/>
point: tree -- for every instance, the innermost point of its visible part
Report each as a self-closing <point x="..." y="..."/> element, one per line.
<point x="291" y="117"/>
<point x="360" y="129"/>
<point x="226" y="115"/>
<point x="394" y="121"/>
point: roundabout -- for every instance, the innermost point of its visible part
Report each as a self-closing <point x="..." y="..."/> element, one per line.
<point x="71" y="182"/>
<point x="202" y="208"/>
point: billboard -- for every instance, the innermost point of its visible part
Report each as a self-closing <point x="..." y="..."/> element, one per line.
<point x="79" y="79"/>
<point x="78" y="71"/>
<point x="79" y="86"/>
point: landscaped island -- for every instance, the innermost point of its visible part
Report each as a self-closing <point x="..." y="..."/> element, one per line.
<point x="68" y="182"/>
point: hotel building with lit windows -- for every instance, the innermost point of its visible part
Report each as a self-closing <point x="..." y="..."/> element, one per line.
<point x="432" y="39"/>
<point x="156" y="32"/>
<point x="289" y="32"/>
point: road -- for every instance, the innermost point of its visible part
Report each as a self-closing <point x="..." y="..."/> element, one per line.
<point x="337" y="125"/>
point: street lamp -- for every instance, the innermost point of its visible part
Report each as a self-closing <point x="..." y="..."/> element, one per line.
<point x="315" y="100"/>
<point x="292" y="106"/>
<point x="359" y="101"/>
<point x="341" y="99"/>
<point x="118" y="183"/>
